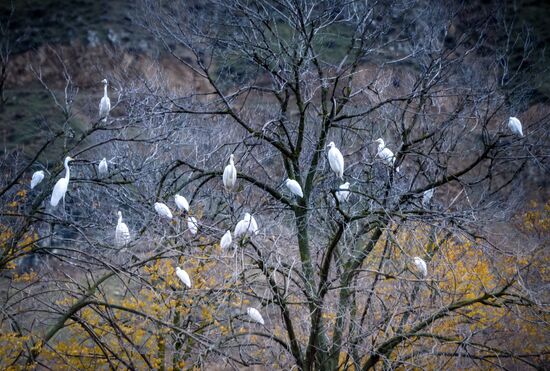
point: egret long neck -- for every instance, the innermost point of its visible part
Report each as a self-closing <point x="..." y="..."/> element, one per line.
<point x="119" y="218"/>
<point x="105" y="90"/>
<point x="67" y="170"/>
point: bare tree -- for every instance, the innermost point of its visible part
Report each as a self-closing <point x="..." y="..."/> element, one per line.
<point x="334" y="278"/>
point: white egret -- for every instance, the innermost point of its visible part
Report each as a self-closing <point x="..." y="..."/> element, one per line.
<point x="515" y="126"/>
<point x="427" y="196"/>
<point x="181" y="203"/>
<point x="255" y="315"/>
<point x="122" y="233"/>
<point x="294" y="187"/>
<point x="230" y="175"/>
<point x="183" y="276"/>
<point x="247" y="226"/>
<point x="226" y="240"/>
<point x="241" y="228"/>
<point x="163" y="210"/>
<point x="105" y="103"/>
<point x="103" y="167"/>
<point x="343" y="194"/>
<point x="37" y="177"/>
<point x="60" y="187"/>
<point x="336" y="160"/>
<point x="192" y="225"/>
<point x="253" y="226"/>
<point x="385" y="153"/>
<point x="421" y="265"/>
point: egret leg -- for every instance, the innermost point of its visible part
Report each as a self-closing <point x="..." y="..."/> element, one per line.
<point x="242" y="261"/>
<point x="236" y="270"/>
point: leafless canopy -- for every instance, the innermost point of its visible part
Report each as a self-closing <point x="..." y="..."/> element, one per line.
<point x="273" y="82"/>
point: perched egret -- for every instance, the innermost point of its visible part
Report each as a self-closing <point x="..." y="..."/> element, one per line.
<point x="421" y="265"/>
<point x="427" y="196"/>
<point x="255" y="315"/>
<point x="247" y="226"/>
<point x="37" y="177"/>
<point x="60" y="187"/>
<point x="192" y="225"/>
<point x="515" y="126"/>
<point x="103" y="167"/>
<point x="252" y="225"/>
<point x="385" y="153"/>
<point x="226" y="240"/>
<point x="163" y="210"/>
<point x="181" y="203"/>
<point x="343" y="194"/>
<point x="230" y="175"/>
<point x="105" y="103"/>
<point x="122" y="233"/>
<point x="183" y="276"/>
<point x="294" y="187"/>
<point x="336" y="160"/>
<point x="241" y="228"/>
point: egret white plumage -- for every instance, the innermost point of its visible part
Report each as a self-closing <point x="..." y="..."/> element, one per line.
<point x="183" y="276"/>
<point x="122" y="233"/>
<point x="105" y="103"/>
<point x="163" y="210"/>
<point x="226" y="240"/>
<point x="103" y="167"/>
<point x="427" y="196"/>
<point x="181" y="203"/>
<point x="255" y="315"/>
<point x="343" y="194"/>
<point x="294" y="187"/>
<point x="192" y="225"/>
<point x="385" y="153"/>
<point x="60" y="187"/>
<point x="247" y="226"/>
<point x="336" y="160"/>
<point x="230" y="174"/>
<point x="253" y="226"/>
<point x="37" y="177"/>
<point x="421" y="265"/>
<point x="515" y="126"/>
<point x="241" y="228"/>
